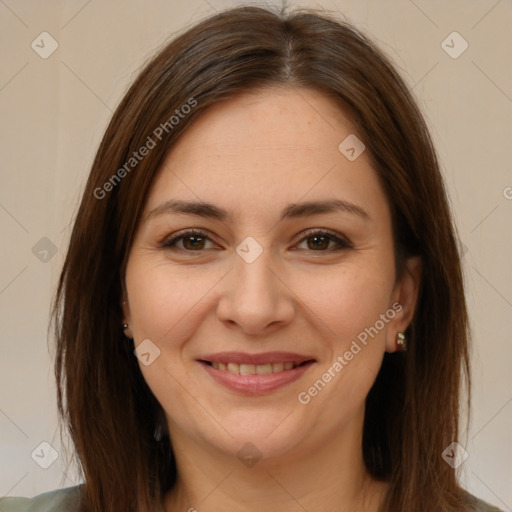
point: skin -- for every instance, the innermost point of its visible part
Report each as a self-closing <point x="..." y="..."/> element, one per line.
<point x="253" y="155"/>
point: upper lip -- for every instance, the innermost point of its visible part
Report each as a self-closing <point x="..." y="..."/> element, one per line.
<point x="263" y="358"/>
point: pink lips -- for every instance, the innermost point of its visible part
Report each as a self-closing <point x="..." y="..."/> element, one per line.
<point x="256" y="384"/>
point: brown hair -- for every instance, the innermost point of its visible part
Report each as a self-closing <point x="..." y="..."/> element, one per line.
<point x="413" y="407"/>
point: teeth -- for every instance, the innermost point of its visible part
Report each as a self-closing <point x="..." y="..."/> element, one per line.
<point x="233" y="368"/>
<point x="254" y="369"/>
<point x="247" y="369"/>
<point x="277" y="367"/>
<point x="264" y="369"/>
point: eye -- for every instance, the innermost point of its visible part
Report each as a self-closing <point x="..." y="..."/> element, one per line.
<point x="319" y="240"/>
<point x="191" y="240"/>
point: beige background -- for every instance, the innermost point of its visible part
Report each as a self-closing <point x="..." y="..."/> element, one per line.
<point x="53" y="113"/>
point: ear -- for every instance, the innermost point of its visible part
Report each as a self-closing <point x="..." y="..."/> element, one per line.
<point x="403" y="300"/>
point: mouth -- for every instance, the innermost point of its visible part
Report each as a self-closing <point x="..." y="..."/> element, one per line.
<point x="256" y="374"/>
<point x="255" y="369"/>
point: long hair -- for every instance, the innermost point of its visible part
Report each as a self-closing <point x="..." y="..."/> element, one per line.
<point x="412" y="410"/>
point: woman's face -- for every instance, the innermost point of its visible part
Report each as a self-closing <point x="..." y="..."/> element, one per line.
<point x="292" y="262"/>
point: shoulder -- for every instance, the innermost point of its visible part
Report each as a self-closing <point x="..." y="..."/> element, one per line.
<point x="68" y="500"/>
<point x="60" y="500"/>
<point x="482" y="506"/>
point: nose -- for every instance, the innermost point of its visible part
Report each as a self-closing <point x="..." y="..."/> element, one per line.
<point x="255" y="298"/>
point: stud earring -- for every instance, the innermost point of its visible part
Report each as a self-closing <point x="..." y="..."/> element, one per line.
<point x="401" y="341"/>
<point x="125" y="326"/>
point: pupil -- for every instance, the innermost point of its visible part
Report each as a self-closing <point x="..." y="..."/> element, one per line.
<point x="319" y="242"/>
<point x="193" y="241"/>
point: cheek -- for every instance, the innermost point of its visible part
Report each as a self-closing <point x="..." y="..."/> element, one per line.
<point x="167" y="305"/>
<point x="175" y="307"/>
<point x="349" y="299"/>
<point x="165" y="300"/>
<point x="347" y="306"/>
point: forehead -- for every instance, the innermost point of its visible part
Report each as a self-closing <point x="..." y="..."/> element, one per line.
<point x="271" y="146"/>
<point x="269" y="119"/>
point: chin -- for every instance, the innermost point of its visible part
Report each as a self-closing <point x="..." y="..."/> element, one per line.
<point x="253" y="437"/>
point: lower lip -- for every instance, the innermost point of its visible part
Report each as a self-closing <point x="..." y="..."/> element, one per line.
<point x="256" y="384"/>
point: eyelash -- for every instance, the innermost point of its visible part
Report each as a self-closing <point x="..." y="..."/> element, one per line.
<point x="343" y="244"/>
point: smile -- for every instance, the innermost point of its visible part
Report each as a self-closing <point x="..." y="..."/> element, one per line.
<point x="255" y="374"/>
<point x="254" y="369"/>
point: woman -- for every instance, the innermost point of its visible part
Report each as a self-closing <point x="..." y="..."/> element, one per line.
<point x="262" y="306"/>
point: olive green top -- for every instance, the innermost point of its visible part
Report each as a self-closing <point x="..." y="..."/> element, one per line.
<point x="61" y="500"/>
<point x="66" y="500"/>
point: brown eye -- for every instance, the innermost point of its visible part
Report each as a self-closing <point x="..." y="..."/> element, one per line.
<point x="316" y="241"/>
<point x="319" y="241"/>
<point x="191" y="241"/>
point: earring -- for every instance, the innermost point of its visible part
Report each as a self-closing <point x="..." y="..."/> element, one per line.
<point x="401" y="341"/>
<point x="125" y="326"/>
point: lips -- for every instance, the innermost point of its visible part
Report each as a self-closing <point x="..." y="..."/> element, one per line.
<point x="255" y="373"/>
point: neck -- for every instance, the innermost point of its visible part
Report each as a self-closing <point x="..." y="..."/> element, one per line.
<point x="330" y="477"/>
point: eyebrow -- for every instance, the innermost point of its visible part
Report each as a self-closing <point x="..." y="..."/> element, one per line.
<point x="292" y="211"/>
